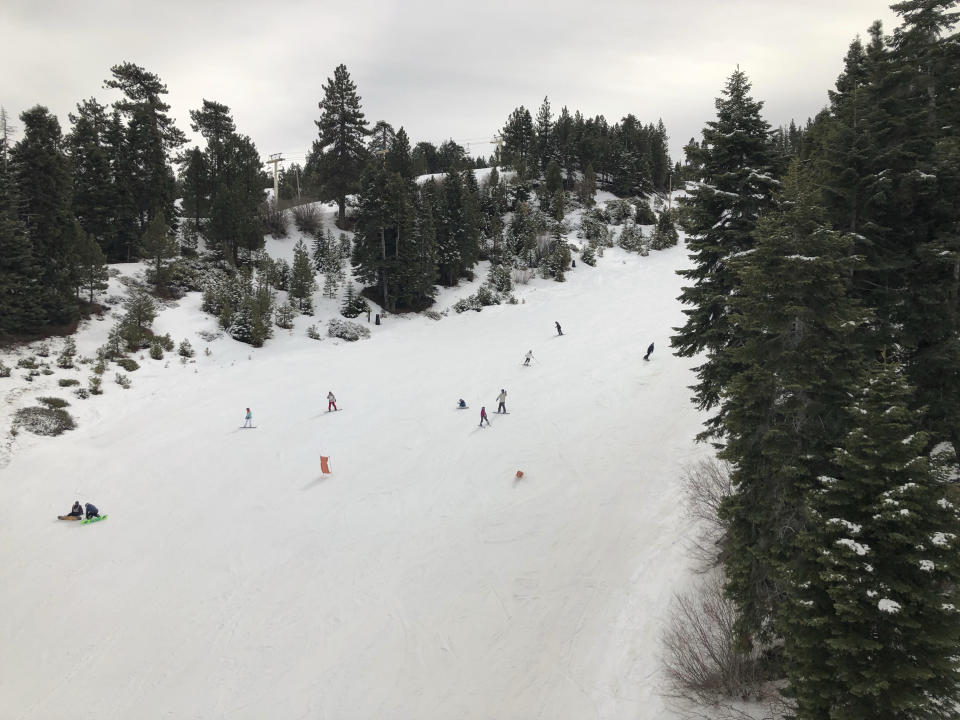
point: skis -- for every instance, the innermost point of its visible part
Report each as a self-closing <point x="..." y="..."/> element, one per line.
<point x="248" y="427"/>
<point x="98" y="518"/>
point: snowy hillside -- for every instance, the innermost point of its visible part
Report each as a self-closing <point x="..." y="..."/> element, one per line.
<point x="422" y="578"/>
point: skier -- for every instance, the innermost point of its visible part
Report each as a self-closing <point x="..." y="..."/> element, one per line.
<point x="649" y="350"/>
<point x="331" y="401"/>
<point x="559" y="331"/>
<point x="528" y="357"/>
<point x="92" y="511"/>
<point x="483" y="416"/>
<point x="462" y="404"/>
<point x="248" y="419"/>
<point x="502" y="402"/>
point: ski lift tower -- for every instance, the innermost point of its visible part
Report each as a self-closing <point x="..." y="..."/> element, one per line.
<point x="276" y="159"/>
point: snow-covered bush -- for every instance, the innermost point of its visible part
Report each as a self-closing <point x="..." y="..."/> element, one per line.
<point x="433" y="315"/>
<point x="94" y="383"/>
<point x="67" y="382"/>
<point x="65" y="359"/>
<point x="128" y="364"/>
<point x="618" y="211"/>
<point x="27" y="363"/>
<point x="82" y="393"/>
<point x="588" y="256"/>
<point x="185" y="349"/>
<point x="43" y="420"/>
<point x="4" y="370"/>
<point x="353" y="304"/>
<point x="499" y="278"/>
<point x="283" y="315"/>
<point x="53" y="402"/>
<point x="593" y="228"/>
<point x="166" y="342"/>
<point x="122" y="380"/>
<point x="346" y="330"/>
<point x="645" y="215"/>
<point x="631" y="238"/>
<point x="43" y="350"/>
<point x="313" y="333"/>
<point x="665" y="234"/>
<point x="156" y="350"/>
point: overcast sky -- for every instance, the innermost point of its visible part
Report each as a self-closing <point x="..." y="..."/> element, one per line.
<point x="440" y="68"/>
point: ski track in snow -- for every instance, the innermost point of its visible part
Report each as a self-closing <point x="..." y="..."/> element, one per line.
<point x="422" y="578"/>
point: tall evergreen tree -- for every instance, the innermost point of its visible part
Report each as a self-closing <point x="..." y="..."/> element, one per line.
<point x="94" y="204"/>
<point x="20" y="287"/>
<point x="519" y="143"/>
<point x="158" y="245"/>
<point x="302" y="280"/>
<point x="797" y="360"/>
<point x="42" y="176"/>
<point x="151" y="136"/>
<point x="720" y="216"/>
<point x="339" y="154"/>
<point x="873" y="631"/>
<point x="93" y="272"/>
<point x="545" y="141"/>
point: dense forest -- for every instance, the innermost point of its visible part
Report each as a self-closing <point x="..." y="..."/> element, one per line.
<point x="823" y="302"/>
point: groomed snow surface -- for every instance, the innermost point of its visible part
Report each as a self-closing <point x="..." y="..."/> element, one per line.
<point x="421" y="579"/>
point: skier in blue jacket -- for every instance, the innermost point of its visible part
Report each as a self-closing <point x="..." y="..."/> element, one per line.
<point x="92" y="511"/>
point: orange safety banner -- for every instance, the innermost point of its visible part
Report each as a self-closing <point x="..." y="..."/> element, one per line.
<point x="323" y="464"/>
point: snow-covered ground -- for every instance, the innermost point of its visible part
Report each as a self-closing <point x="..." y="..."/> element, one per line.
<point x="422" y="578"/>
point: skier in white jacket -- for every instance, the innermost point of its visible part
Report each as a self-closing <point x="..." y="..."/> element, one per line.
<point x="502" y="401"/>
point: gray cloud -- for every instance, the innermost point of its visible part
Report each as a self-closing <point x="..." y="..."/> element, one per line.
<point x="442" y="69"/>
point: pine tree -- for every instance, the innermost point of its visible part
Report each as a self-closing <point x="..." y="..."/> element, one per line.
<point x="543" y="130"/>
<point x="193" y="180"/>
<point x="151" y="136"/>
<point x="92" y="193"/>
<point x="873" y="630"/>
<point x="41" y="174"/>
<point x="159" y="245"/>
<point x="339" y="154"/>
<point x="798" y="359"/>
<point x="665" y="234"/>
<point x="20" y="286"/>
<point x="720" y="216"/>
<point x="302" y="282"/>
<point x="91" y="264"/>
<point x="587" y="189"/>
<point x="519" y="143"/>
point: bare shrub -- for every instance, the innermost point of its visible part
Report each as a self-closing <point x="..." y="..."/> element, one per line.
<point x="705" y="666"/>
<point x="705" y="485"/>
<point x="306" y="218"/>
<point x="273" y="220"/>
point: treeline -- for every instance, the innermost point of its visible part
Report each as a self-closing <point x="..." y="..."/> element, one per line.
<point x="105" y="192"/>
<point x="824" y="302"/>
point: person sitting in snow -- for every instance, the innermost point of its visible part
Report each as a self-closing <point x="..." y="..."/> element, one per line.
<point x="462" y="404"/>
<point x="92" y="511"/>
<point x="76" y="510"/>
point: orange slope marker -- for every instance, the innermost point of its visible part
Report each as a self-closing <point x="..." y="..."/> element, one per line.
<point x="324" y="464"/>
